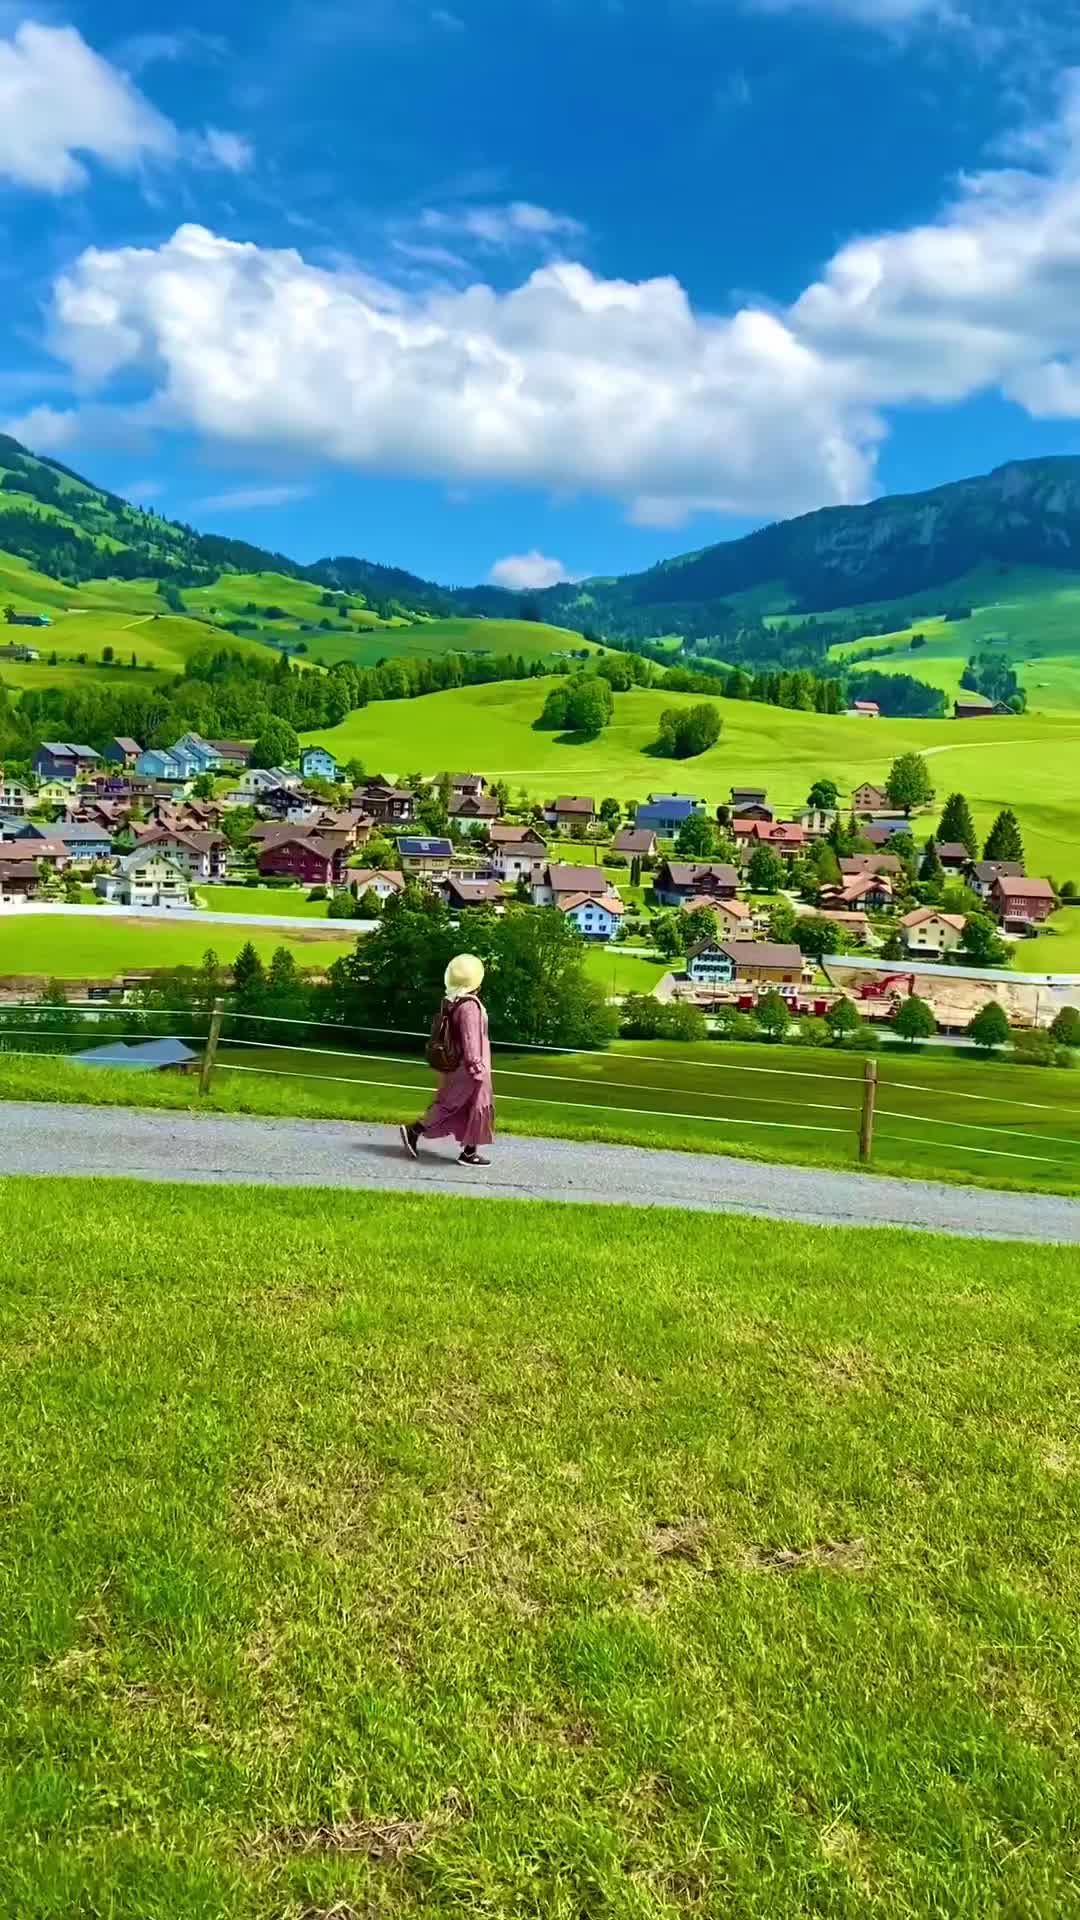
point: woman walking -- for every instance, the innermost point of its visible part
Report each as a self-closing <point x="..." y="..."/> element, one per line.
<point x="460" y="1052"/>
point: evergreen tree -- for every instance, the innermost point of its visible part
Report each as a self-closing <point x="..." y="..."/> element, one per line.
<point x="1004" y="841"/>
<point x="957" y="825"/>
<point x="932" y="872"/>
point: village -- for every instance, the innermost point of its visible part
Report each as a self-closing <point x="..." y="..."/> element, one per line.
<point x="854" y="898"/>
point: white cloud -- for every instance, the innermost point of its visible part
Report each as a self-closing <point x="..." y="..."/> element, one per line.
<point x="59" y="99"/>
<point x="150" y="49"/>
<point x="247" y="499"/>
<point x="497" y="229"/>
<point x="45" y="429"/>
<point x="568" y="381"/>
<point x="229" y="151"/>
<point x="527" y="572"/>
<point x="885" y="15"/>
<point x="582" y="384"/>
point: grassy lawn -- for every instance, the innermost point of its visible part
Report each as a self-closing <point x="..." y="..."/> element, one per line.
<point x="277" y="900"/>
<point x="1021" y="1129"/>
<point x="1056" y="949"/>
<point x="669" y="1565"/>
<point x="1032" y="763"/>
<point x="624" y="972"/>
<point x="67" y="948"/>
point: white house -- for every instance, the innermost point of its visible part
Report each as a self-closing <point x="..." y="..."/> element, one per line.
<point x="928" y="930"/>
<point x="147" y="878"/>
<point x="318" y="763"/>
<point x="383" y="882"/>
<point x="517" y="853"/>
<point x="598" y="918"/>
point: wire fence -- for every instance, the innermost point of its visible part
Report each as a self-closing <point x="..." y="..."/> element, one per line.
<point x="674" y="1092"/>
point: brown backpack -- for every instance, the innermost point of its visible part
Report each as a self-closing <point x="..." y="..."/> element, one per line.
<point x="443" y="1050"/>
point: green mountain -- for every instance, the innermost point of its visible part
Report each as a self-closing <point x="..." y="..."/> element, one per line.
<point x="786" y="592"/>
<point x="902" y="548"/>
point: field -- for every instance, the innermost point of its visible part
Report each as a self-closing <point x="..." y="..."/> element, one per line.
<point x="164" y="642"/>
<point x="624" y="972"/>
<point x="529" y="639"/>
<point x="672" y="1566"/>
<point x="1037" y="613"/>
<point x="1032" y="763"/>
<point x="69" y="948"/>
<point x="940" y="1115"/>
<point x="291" y="901"/>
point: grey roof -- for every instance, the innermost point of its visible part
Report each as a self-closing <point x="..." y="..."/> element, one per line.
<point x="147" y="1054"/>
<point x="988" y="870"/>
<point x="694" y="873"/>
<point x="80" y="831"/>
<point x="578" y="880"/>
<point x="67" y="747"/>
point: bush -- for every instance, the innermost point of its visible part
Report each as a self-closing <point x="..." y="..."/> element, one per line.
<point x="733" y="1025"/>
<point x="1066" y="1027"/>
<point x="644" y="1018"/>
<point x="812" y="1033"/>
<point x="317" y="893"/>
<point x="1035" y="1047"/>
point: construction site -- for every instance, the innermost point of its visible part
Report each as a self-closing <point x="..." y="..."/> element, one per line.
<point x="955" y="994"/>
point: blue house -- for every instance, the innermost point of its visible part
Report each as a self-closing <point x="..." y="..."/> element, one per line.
<point x="665" y="813"/>
<point x="198" y="754"/>
<point x="159" y="764"/>
<point x="318" y="762"/>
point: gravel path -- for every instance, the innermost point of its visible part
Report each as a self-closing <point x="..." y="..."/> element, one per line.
<point x="219" y="1149"/>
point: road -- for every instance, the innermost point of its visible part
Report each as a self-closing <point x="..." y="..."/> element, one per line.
<point x="217" y="1149"/>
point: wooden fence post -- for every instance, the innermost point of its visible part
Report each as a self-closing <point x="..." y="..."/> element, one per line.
<point x="210" y="1050"/>
<point x="869" y="1104"/>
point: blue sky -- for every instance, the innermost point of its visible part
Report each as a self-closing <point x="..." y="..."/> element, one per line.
<point x="541" y="290"/>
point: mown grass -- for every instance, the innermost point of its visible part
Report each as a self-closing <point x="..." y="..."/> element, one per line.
<point x="1031" y="763"/>
<point x="291" y="901"/>
<point x="70" y="947"/>
<point x="391" y="1556"/>
<point x="939" y="1117"/>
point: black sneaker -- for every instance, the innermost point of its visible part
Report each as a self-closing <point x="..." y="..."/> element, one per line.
<point x="409" y="1140"/>
<point x="470" y="1158"/>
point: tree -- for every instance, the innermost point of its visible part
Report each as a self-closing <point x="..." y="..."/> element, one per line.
<point x="958" y="826"/>
<point x="667" y="936"/>
<point x="823" y="795"/>
<point x="204" y="787"/>
<point x="635" y="871"/>
<point x="1004" y="841"/>
<point x="990" y="1027"/>
<point x="249" y="985"/>
<point x="697" y="924"/>
<point x="932" y="873"/>
<point x="108" y="655"/>
<point x="825" y="864"/>
<point x="783" y="921"/>
<point x="582" y="704"/>
<point x="842" y="1018"/>
<point x="909" y="784"/>
<point x="695" y="839"/>
<point x="915" y="1021"/>
<point x="611" y="814"/>
<point x="893" y="948"/>
<point x="1066" y="1027"/>
<point x="687" y="731"/>
<point x="276" y="745"/>
<point x="765" y="872"/>
<point x="815" y="935"/>
<point x="773" y="1015"/>
<point x="981" y="943"/>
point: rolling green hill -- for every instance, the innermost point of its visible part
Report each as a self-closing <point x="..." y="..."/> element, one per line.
<point x="1031" y="762"/>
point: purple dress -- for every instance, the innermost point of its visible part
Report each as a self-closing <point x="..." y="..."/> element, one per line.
<point x="464" y="1106"/>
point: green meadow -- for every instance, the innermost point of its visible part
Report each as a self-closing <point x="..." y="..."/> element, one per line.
<point x="531" y="640"/>
<point x="672" y="1565"/>
<point x="1031" y="763"/>
<point x="68" y="947"/>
